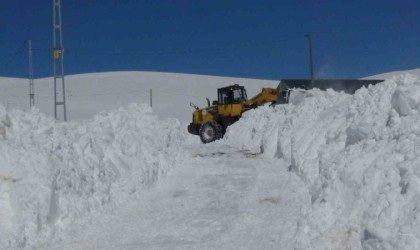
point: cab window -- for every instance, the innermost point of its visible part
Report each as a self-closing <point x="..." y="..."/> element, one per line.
<point x="229" y="95"/>
<point x="237" y="95"/>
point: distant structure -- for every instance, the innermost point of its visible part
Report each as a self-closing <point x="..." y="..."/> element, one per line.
<point x="31" y="75"/>
<point x="58" y="60"/>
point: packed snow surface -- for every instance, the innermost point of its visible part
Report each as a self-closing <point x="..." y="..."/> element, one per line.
<point x="327" y="171"/>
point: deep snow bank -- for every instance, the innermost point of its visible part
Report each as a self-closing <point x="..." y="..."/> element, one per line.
<point x="53" y="174"/>
<point x="359" y="157"/>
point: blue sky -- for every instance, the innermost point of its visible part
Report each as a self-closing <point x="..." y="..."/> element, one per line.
<point x="256" y="39"/>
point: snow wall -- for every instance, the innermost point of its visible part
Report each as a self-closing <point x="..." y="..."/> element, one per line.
<point x="54" y="174"/>
<point x="359" y="156"/>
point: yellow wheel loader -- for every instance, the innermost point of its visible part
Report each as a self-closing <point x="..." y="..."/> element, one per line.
<point x="210" y="123"/>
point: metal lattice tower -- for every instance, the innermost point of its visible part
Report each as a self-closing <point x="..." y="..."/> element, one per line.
<point x="31" y="75"/>
<point x="58" y="61"/>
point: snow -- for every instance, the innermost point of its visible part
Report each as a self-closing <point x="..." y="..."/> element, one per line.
<point x="53" y="173"/>
<point x="219" y="199"/>
<point x="88" y="94"/>
<point x="358" y="157"/>
<point x="389" y="75"/>
<point x="327" y="171"/>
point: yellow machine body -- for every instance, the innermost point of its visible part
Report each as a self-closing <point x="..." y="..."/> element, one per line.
<point x="232" y="103"/>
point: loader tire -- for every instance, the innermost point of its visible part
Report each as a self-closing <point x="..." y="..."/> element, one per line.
<point x="210" y="131"/>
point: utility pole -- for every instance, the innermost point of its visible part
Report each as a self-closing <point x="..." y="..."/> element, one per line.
<point x="310" y="56"/>
<point x="31" y="75"/>
<point x="58" y="57"/>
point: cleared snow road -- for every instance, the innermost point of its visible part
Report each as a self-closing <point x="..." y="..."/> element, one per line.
<point x="220" y="199"/>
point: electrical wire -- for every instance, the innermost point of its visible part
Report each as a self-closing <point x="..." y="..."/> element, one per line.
<point x="14" y="54"/>
<point x="110" y="94"/>
<point x="163" y="52"/>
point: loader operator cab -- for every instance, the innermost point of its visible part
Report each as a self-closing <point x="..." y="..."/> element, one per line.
<point x="231" y="94"/>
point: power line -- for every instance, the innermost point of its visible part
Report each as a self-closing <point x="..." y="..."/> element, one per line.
<point x="172" y="51"/>
<point x="163" y="52"/>
<point x="112" y="94"/>
<point x="14" y="54"/>
<point x="19" y="49"/>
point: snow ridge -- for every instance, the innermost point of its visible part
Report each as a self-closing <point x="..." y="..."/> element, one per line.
<point x="358" y="156"/>
<point x="53" y="174"/>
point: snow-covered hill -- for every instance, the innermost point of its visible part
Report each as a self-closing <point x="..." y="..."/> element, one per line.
<point x="89" y="94"/>
<point x="328" y="171"/>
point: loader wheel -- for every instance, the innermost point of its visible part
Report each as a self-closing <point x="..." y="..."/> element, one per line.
<point x="210" y="131"/>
